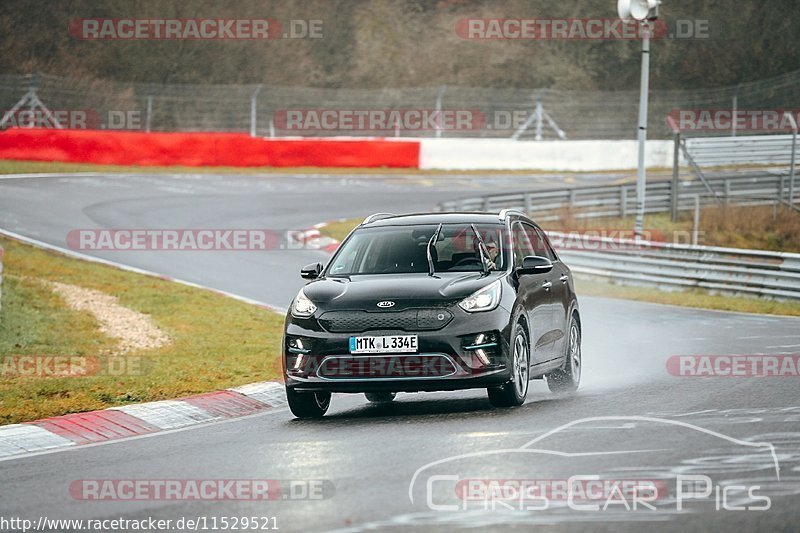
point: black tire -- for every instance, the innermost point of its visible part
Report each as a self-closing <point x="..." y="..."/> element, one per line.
<point x="380" y="397"/>
<point x="308" y="404"/>
<point x="567" y="379"/>
<point x="513" y="392"/>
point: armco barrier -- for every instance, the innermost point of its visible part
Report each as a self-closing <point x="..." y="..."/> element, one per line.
<point x="744" y="189"/>
<point x="202" y="149"/>
<point x="726" y="270"/>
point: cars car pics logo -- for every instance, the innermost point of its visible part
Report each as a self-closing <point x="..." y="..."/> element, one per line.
<point x="385" y="304"/>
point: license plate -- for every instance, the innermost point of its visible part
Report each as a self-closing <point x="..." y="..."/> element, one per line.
<point x="386" y="344"/>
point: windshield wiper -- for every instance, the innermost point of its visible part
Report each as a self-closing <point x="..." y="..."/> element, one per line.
<point x="482" y="250"/>
<point x="431" y="243"/>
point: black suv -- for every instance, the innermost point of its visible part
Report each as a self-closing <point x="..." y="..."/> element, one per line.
<point x="433" y="302"/>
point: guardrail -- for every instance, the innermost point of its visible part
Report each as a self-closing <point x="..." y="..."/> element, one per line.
<point x="725" y="270"/>
<point x="722" y="270"/>
<point x="762" y="188"/>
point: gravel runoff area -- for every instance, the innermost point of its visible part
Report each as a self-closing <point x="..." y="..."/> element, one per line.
<point x="134" y="331"/>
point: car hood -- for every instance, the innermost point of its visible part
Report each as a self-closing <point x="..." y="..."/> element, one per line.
<point x="405" y="290"/>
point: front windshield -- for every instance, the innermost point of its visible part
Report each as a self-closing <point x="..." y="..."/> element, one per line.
<point x="403" y="250"/>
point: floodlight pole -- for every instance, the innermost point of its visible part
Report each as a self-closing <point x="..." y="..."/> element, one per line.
<point x="644" y="89"/>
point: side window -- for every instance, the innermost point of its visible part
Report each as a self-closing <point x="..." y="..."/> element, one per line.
<point x="522" y="243"/>
<point x="539" y="242"/>
<point x="548" y="248"/>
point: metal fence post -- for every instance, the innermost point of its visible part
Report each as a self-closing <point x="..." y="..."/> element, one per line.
<point x="696" y="229"/>
<point x="439" y="96"/>
<point x="792" y="167"/>
<point x="253" y="110"/>
<point x="676" y="175"/>
<point x="623" y="201"/>
<point x="149" y="114"/>
<point x="727" y="192"/>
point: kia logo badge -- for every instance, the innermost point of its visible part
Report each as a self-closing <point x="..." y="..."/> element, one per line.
<point x="386" y="303"/>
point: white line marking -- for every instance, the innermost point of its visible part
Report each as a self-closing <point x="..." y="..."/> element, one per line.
<point x="121" y="266"/>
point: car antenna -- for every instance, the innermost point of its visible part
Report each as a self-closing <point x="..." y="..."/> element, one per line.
<point x="482" y="250"/>
<point x="431" y="243"/>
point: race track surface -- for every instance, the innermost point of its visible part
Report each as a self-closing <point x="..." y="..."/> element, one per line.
<point x="630" y="420"/>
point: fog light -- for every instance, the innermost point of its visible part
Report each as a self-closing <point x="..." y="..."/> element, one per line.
<point x="483" y="346"/>
<point x="482" y="356"/>
<point x="296" y="345"/>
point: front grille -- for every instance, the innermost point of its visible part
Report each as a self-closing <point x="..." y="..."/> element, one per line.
<point x="393" y="366"/>
<point x="407" y="320"/>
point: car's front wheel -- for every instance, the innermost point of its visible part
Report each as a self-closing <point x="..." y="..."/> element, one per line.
<point x="513" y="393"/>
<point x="568" y="378"/>
<point x="308" y="404"/>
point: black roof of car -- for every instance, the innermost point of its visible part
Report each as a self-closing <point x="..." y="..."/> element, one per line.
<point x="435" y="218"/>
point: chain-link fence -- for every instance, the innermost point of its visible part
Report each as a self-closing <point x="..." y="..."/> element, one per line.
<point x="302" y="111"/>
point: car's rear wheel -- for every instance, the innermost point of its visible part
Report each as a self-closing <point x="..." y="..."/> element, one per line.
<point x="380" y="397"/>
<point x="513" y="393"/>
<point x="568" y="378"/>
<point x="308" y="404"/>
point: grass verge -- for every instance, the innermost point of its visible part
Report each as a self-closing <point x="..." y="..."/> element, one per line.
<point x="217" y="342"/>
<point x="697" y="298"/>
<point x="753" y="227"/>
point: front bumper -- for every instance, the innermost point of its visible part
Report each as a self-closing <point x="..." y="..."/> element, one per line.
<point x="446" y="358"/>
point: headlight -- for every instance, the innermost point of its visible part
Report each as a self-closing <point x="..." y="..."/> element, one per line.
<point x="303" y="307"/>
<point x="485" y="299"/>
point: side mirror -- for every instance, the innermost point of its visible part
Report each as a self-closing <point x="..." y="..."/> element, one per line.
<point x="311" y="271"/>
<point x="533" y="264"/>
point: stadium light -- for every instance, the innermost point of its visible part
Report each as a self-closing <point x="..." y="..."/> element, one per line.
<point x="642" y="11"/>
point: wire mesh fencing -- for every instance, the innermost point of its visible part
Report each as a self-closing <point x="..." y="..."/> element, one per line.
<point x="395" y="112"/>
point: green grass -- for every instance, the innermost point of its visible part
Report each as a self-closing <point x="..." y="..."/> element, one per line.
<point x="23" y="167"/>
<point x="754" y="227"/>
<point x="217" y="342"/>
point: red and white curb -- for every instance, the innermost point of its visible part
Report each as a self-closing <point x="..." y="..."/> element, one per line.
<point x="313" y="239"/>
<point x="140" y="419"/>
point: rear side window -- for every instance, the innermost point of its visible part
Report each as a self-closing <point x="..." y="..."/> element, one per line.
<point x="545" y="248"/>
<point x="529" y="240"/>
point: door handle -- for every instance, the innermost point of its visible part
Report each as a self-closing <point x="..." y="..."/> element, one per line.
<point x="547" y="285"/>
<point x="564" y="278"/>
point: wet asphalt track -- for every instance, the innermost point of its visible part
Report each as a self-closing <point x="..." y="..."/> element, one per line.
<point x="371" y="453"/>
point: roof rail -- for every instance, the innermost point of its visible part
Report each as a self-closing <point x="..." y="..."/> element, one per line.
<point x="505" y="212"/>
<point x="375" y="216"/>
